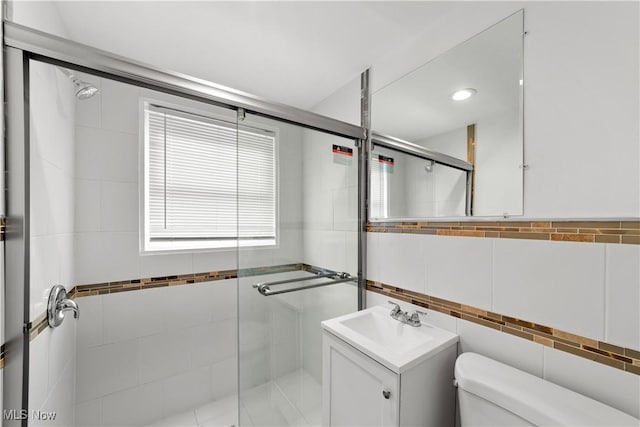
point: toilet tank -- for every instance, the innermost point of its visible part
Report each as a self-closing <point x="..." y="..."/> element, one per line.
<point x="491" y="393"/>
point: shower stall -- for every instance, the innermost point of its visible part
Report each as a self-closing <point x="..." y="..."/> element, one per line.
<point x="203" y="233"/>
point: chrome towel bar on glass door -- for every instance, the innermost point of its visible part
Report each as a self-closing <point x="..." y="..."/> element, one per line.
<point x="265" y="287"/>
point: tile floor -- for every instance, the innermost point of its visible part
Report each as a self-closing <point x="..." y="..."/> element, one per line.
<point x="293" y="400"/>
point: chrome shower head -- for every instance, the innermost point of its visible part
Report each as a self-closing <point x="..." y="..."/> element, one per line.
<point x="85" y="90"/>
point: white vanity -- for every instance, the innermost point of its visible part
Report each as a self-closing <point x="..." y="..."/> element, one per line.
<point x="378" y="371"/>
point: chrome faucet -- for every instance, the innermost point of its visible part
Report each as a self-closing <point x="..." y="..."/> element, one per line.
<point x="404" y="317"/>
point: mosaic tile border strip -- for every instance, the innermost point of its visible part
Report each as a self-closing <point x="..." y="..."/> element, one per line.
<point x="623" y="232"/>
<point x="625" y="359"/>
<point x="38" y="325"/>
<point x="3" y="356"/>
<point x="41" y="323"/>
<point x="184" y="279"/>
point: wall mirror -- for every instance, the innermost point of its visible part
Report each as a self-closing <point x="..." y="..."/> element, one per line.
<point x="447" y="138"/>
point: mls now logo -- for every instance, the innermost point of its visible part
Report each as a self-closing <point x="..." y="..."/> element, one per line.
<point x="15" y="414"/>
<point x="23" y="414"/>
<point x="43" y="415"/>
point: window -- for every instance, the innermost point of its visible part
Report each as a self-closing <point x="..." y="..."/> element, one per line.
<point x="207" y="183"/>
<point x="379" y="196"/>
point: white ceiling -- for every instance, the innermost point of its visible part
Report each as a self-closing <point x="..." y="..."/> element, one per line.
<point x="297" y="53"/>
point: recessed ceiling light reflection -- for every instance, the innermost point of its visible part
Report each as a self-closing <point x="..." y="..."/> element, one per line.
<point x="462" y="94"/>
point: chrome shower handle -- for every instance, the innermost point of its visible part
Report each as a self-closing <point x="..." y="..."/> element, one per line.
<point x="68" y="305"/>
<point x="58" y="305"/>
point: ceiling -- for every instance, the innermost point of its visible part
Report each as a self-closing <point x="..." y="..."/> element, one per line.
<point x="297" y="53"/>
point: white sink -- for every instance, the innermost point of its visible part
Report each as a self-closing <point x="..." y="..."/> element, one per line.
<point x="393" y="344"/>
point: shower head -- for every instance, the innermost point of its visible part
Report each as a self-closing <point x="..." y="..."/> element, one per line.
<point x="84" y="90"/>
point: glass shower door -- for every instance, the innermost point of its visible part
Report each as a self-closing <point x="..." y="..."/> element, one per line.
<point x="297" y="221"/>
<point x="133" y="196"/>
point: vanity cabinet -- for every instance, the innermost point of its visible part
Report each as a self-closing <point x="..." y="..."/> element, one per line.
<point x="360" y="391"/>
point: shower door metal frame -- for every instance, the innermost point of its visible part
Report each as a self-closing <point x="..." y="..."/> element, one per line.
<point x="59" y="51"/>
<point x="22" y="44"/>
<point x="16" y="244"/>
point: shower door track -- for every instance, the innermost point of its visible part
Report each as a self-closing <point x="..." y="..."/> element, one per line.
<point x="59" y="51"/>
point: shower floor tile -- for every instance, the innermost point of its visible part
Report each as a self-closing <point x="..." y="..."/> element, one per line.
<point x="219" y="413"/>
<point x="293" y="400"/>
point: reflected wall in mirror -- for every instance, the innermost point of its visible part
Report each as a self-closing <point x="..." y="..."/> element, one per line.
<point x="466" y="104"/>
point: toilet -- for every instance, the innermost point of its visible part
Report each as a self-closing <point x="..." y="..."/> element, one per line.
<point x="491" y="393"/>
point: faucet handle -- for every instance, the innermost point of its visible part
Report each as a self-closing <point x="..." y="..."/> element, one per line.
<point x="396" y="308"/>
<point x="414" y="320"/>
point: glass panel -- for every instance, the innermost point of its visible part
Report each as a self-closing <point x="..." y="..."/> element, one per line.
<point x="315" y="177"/>
<point x="466" y="103"/>
<point x="406" y="186"/>
<point x="156" y="341"/>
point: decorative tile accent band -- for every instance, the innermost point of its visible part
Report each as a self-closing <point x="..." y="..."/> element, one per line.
<point x="625" y="232"/>
<point x="2" y="356"/>
<point x="184" y="279"/>
<point x="40" y="323"/>
<point x="618" y="357"/>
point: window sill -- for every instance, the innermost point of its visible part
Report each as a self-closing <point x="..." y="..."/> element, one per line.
<point x="185" y="246"/>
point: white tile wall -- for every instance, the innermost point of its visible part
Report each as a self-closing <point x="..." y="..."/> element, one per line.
<point x="105" y="369"/>
<point x="90" y="327"/>
<point x="60" y="400"/>
<point x="557" y="284"/>
<point x="89" y="413"/>
<point x="195" y="388"/>
<point x="39" y="370"/>
<point x="175" y="345"/>
<point x="163" y="355"/>
<point x="119" y="206"/>
<point x="327" y="249"/>
<point x="89" y="256"/>
<point x="89" y="151"/>
<point x="517" y="352"/>
<point x="459" y="270"/>
<point x="611" y="386"/>
<point x="124" y="318"/>
<point x="135" y="406"/>
<point x="622" y="321"/>
<point x="88" y="214"/>
<point x="119" y="106"/>
<point x="401" y="258"/>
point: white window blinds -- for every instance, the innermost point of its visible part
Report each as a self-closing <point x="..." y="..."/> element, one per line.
<point x="379" y="187"/>
<point x="208" y="180"/>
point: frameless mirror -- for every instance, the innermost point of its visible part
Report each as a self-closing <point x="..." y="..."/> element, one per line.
<point x="447" y="137"/>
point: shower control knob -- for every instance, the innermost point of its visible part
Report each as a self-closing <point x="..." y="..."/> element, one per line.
<point x="386" y="394"/>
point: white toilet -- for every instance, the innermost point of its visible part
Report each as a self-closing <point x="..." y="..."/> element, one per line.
<point x="491" y="393"/>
